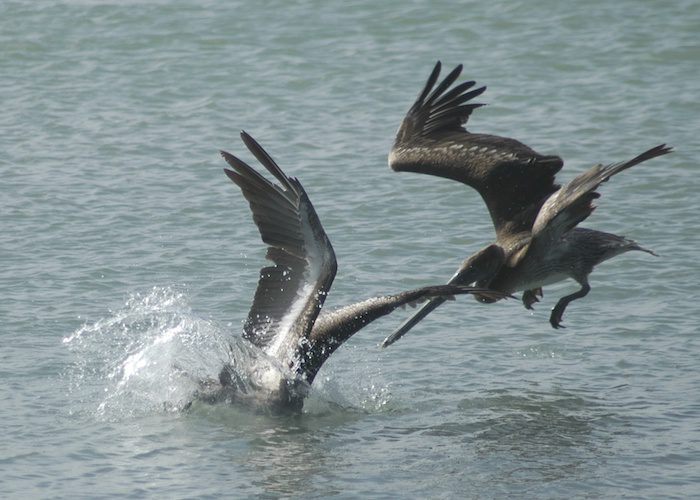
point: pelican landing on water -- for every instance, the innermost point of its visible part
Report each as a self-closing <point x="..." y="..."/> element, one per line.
<point x="537" y="239"/>
<point x="285" y="321"/>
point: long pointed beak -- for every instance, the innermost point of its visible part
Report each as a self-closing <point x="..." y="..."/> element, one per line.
<point x="413" y="320"/>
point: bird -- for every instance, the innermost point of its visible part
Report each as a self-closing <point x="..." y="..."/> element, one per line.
<point x="535" y="219"/>
<point x="286" y="323"/>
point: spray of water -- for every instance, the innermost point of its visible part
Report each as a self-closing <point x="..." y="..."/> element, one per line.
<point x="149" y="355"/>
<point x="152" y="354"/>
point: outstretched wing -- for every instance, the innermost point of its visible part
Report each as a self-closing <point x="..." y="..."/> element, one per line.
<point x="334" y="327"/>
<point x="510" y="176"/>
<point x="573" y="203"/>
<point x="439" y="111"/>
<point x="290" y="293"/>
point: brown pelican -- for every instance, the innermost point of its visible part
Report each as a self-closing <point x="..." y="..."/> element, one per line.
<point x="537" y="241"/>
<point x="285" y="322"/>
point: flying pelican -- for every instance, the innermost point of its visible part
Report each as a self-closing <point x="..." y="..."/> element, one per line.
<point x="537" y="241"/>
<point x="285" y="321"/>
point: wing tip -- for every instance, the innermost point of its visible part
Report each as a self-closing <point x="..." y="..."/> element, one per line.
<point x="232" y="160"/>
<point x="246" y="137"/>
<point x="663" y="149"/>
<point x="233" y="176"/>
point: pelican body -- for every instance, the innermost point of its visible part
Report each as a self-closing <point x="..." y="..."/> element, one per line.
<point x="290" y="335"/>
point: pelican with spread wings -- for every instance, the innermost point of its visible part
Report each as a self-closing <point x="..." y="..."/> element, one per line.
<point x="286" y="322"/>
<point x="535" y="219"/>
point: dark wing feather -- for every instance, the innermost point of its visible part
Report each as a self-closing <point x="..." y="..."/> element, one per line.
<point x="573" y="203"/>
<point x="290" y="293"/>
<point x="513" y="179"/>
<point x="434" y="112"/>
<point x="335" y="327"/>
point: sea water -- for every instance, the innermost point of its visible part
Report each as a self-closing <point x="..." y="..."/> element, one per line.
<point x="129" y="261"/>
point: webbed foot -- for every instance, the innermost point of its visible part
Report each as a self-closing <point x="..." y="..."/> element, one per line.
<point x="555" y="317"/>
<point x="530" y="297"/>
<point x="558" y="311"/>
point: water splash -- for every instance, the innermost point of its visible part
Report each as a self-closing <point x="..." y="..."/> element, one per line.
<point x="147" y="356"/>
<point x="354" y="381"/>
<point x="152" y="355"/>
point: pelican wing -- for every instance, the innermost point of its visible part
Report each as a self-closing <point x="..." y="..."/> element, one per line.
<point x="438" y="110"/>
<point x="334" y="327"/>
<point x="291" y="292"/>
<point x="573" y="203"/>
<point x="432" y="139"/>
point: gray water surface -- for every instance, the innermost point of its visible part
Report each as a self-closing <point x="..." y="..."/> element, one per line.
<point x="127" y="253"/>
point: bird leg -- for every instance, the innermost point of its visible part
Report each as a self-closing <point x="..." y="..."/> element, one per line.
<point x="558" y="311"/>
<point x="530" y="297"/>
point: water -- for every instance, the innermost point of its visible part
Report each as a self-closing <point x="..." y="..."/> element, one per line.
<point x="128" y="259"/>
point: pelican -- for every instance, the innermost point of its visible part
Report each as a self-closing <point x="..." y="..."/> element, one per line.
<point x="285" y="324"/>
<point x="535" y="219"/>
